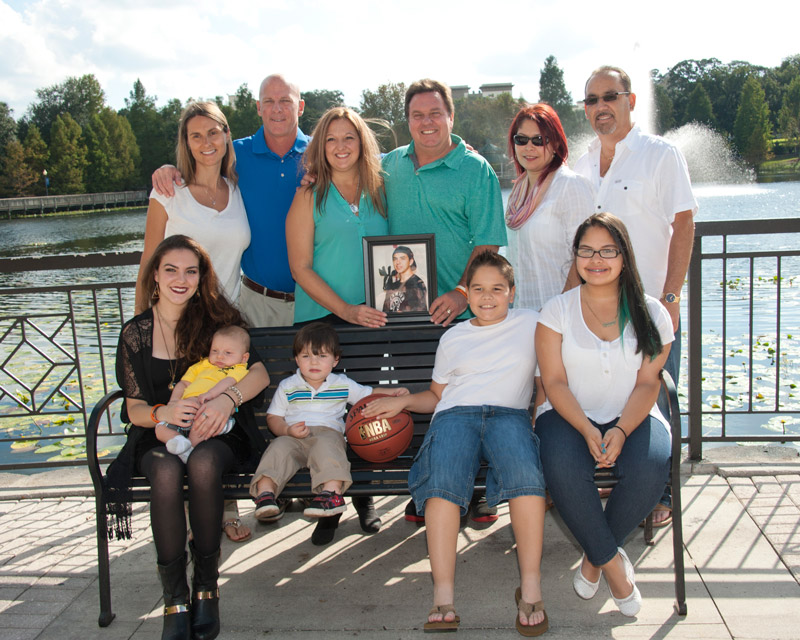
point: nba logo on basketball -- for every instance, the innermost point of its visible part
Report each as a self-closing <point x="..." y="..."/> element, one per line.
<point x="371" y="430"/>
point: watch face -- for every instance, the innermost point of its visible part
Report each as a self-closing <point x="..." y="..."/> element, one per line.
<point x="670" y="297"/>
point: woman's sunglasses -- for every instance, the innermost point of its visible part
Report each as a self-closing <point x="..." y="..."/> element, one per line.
<point x="536" y="141"/>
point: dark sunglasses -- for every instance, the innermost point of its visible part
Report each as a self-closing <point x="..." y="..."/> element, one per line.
<point x="609" y="97"/>
<point x="536" y="141"/>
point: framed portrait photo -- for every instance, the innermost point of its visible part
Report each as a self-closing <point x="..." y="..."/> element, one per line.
<point x="400" y="275"/>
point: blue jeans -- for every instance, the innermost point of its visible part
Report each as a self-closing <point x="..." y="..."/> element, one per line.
<point x="456" y="442"/>
<point x="641" y="469"/>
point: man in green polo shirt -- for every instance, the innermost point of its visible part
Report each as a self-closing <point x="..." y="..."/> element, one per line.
<point x="436" y="185"/>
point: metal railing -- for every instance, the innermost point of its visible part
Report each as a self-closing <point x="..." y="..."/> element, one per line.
<point x="58" y="344"/>
<point x="42" y="204"/>
<point x="743" y="324"/>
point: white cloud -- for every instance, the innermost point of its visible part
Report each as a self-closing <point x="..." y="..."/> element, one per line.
<point x="202" y="48"/>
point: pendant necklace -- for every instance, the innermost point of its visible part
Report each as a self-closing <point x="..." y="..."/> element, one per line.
<point x="208" y="195"/>
<point x="605" y="325"/>
<point x="173" y="366"/>
<point x="353" y="205"/>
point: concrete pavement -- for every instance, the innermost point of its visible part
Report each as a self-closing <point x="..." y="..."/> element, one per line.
<point x="742" y="555"/>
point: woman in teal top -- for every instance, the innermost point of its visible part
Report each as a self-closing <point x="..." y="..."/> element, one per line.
<point x="328" y="219"/>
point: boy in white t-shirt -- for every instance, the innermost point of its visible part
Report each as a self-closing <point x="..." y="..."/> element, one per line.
<point x="483" y="379"/>
<point x="306" y="413"/>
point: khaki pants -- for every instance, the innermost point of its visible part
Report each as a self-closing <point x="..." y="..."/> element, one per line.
<point x="263" y="311"/>
<point x="323" y="452"/>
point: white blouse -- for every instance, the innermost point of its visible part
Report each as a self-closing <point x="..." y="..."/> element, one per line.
<point x="541" y="250"/>
<point x="223" y="234"/>
<point x="601" y="374"/>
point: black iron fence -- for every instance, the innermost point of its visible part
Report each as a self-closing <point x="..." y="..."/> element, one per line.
<point x="740" y="379"/>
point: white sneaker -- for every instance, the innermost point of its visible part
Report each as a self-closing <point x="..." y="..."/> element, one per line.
<point x="632" y="604"/>
<point x="582" y="585"/>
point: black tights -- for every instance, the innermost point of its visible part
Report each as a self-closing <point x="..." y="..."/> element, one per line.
<point x="165" y="471"/>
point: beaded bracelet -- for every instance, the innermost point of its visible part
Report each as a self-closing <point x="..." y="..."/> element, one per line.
<point x="238" y="394"/>
<point x="621" y="429"/>
<point x="153" y="412"/>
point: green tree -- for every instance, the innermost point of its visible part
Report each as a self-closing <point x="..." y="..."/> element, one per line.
<point x="553" y="91"/>
<point x="80" y="97"/>
<point x="387" y="103"/>
<point x="98" y="155"/>
<point x="36" y="157"/>
<point x="483" y="122"/>
<point x="789" y="116"/>
<point x="123" y="167"/>
<point x="318" y="102"/>
<point x="67" y="156"/>
<point x="698" y="108"/>
<point x="147" y="126"/>
<point x="242" y="114"/>
<point x="16" y="177"/>
<point x="8" y="126"/>
<point x="752" y="130"/>
<point x="664" y="118"/>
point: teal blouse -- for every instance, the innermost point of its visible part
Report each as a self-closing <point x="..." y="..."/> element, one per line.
<point x="338" y="252"/>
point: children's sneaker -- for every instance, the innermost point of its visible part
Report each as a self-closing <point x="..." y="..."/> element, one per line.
<point x="266" y="506"/>
<point x="327" y="503"/>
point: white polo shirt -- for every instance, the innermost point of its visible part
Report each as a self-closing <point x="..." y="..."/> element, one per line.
<point x="297" y="401"/>
<point x="645" y="186"/>
<point x="600" y="374"/>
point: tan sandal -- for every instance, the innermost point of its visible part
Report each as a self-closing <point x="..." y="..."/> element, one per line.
<point x="442" y="625"/>
<point x="660" y="508"/>
<point x="236" y="524"/>
<point x="526" y="609"/>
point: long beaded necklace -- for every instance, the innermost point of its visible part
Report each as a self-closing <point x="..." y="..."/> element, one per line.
<point x="173" y="365"/>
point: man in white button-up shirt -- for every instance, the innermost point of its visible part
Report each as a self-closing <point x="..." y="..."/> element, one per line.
<point x="642" y="179"/>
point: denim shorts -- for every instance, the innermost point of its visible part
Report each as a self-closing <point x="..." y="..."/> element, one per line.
<point x="456" y="442"/>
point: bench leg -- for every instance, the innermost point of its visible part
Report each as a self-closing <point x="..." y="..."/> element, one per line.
<point x="104" y="577"/>
<point x="677" y="546"/>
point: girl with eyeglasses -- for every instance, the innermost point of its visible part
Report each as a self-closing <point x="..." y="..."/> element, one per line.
<point x="601" y="347"/>
<point x="546" y="205"/>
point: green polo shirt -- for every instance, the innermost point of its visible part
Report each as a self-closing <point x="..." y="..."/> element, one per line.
<point x="457" y="198"/>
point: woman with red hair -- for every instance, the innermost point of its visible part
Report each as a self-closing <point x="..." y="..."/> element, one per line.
<point x="545" y="207"/>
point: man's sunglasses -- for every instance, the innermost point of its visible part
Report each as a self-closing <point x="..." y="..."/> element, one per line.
<point x="590" y="101"/>
<point x="536" y="141"/>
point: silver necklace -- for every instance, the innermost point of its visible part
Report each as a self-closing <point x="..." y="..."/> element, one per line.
<point x="353" y="205"/>
<point x="605" y="325"/>
<point x="208" y="195"/>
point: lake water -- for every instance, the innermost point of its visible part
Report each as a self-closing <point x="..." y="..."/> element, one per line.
<point x="124" y="231"/>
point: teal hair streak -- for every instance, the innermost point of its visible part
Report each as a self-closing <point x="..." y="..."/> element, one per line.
<point x="624" y="313"/>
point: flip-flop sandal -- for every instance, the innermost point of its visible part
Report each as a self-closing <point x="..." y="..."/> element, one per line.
<point x="236" y="523"/>
<point x="436" y="627"/>
<point x="526" y="609"/>
<point x="666" y="521"/>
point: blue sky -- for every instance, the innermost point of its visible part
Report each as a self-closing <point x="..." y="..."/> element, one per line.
<point x="182" y="48"/>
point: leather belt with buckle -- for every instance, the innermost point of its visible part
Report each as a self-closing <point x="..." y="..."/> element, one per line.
<point x="278" y="295"/>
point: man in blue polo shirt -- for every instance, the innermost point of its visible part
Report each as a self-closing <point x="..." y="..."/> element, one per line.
<point x="269" y="164"/>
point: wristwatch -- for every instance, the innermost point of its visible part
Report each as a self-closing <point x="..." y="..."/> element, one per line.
<point x="669" y="298"/>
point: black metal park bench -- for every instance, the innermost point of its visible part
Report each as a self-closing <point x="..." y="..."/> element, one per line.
<point x="393" y="355"/>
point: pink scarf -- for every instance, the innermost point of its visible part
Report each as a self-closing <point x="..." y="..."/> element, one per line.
<point x="522" y="201"/>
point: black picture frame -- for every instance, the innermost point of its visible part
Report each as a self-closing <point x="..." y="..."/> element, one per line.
<point x="401" y="300"/>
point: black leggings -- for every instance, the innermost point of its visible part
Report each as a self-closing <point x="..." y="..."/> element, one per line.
<point x="165" y="471"/>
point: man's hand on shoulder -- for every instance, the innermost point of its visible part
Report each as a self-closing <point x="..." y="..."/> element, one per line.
<point x="164" y="178"/>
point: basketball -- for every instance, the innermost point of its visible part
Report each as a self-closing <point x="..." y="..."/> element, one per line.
<point x="378" y="439"/>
